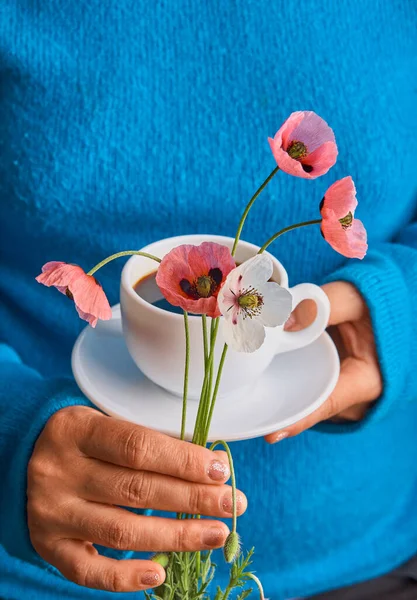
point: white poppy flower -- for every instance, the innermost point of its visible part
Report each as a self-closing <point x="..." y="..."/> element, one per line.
<point x="250" y="302"/>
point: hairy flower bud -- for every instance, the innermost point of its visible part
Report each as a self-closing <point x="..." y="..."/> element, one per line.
<point x="231" y="548"/>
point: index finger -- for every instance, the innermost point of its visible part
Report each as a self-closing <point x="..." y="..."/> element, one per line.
<point x="128" y="445"/>
<point x="346" y="304"/>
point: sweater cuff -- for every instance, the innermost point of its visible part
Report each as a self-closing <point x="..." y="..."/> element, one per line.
<point x="383" y="286"/>
<point x="26" y="403"/>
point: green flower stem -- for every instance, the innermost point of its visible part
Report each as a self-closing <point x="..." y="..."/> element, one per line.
<point x="258" y="583"/>
<point x="196" y="434"/>
<point x="209" y="392"/>
<point x="212" y="327"/>
<point x="285" y="230"/>
<point x="118" y="255"/>
<point x="249" y="206"/>
<point x="187" y="366"/>
<point x="216" y="389"/>
<point x="206" y="406"/>
<point x="232" y="476"/>
<point x="186" y="571"/>
<point x="205" y="340"/>
<point x="213" y="331"/>
<point x="205" y="409"/>
<point x="198" y="565"/>
<point x="228" y="590"/>
<point x="210" y="367"/>
<point x="199" y="424"/>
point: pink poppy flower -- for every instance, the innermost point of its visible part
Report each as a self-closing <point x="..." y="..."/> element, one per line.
<point x="86" y="292"/>
<point x="340" y="229"/>
<point x="304" y="146"/>
<point x="191" y="276"/>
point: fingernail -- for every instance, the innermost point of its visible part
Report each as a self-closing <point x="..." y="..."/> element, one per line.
<point x="227" y="503"/>
<point x="218" y="471"/>
<point x="213" y="537"/>
<point x="150" y="578"/>
<point x="277" y="437"/>
<point x="291" y="322"/>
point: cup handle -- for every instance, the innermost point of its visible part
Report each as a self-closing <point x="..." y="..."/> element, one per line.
<point x="288" y="340"/>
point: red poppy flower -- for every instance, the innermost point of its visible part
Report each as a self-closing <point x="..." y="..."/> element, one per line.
<point x="304" y="146"/>
<point x="86" y="292"/>
<point x="191" y="276"/>
<point x="340" y="229"/>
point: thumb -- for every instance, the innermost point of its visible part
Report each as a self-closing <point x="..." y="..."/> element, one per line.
<point x="346" y="304"/>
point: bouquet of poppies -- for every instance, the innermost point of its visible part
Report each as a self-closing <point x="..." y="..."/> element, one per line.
<point x="236" y="301"/>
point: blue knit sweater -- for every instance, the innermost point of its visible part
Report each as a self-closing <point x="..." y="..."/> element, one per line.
<point x="122" y="122"/>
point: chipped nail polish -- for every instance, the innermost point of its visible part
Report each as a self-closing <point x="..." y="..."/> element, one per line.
<point x="213" y="537"/>
<point x="150" y="578"/>
<point x="227" y="503"/>
<point x="218" y="471"/>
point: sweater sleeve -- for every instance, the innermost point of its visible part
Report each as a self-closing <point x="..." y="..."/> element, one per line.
<point x="387" y="279"/>
<point x="26" y="403"/>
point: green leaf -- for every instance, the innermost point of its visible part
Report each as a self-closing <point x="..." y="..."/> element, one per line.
<point x="245" y="594"/>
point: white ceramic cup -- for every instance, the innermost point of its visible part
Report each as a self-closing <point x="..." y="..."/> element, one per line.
<point x="156" y="340"/>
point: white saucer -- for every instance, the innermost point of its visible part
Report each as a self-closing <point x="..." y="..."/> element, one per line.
<point x="295" y="385"/>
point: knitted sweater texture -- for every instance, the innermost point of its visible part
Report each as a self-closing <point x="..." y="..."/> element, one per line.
<point x="123" y="122"/>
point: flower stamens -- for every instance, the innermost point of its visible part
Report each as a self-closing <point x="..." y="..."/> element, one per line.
<point x="204" y="286"/>
<point x="346" y="221"/>
<point x="297" y="150"/>
<point x="250" y="302"/>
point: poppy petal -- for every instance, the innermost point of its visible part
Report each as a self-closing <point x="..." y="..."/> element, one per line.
<point x="286" y="163"/>
<point x="340" y="198"/>
<point x="88" y="295"/>
<point x="188" y="262"/>
<point x="90" y="298"/>
<point x="284" y="133"/>
<point x="350" y="242"/>
<point x="310" y="129"/>
<point x="313" y="131"/>
<point x="227" y="298"/>
<point x="255" y="272"/>
<point x="277" y="304"/>
<point x="243" y="335"/>
<point x="321" y="160"/>
<point x="60" y="274"/>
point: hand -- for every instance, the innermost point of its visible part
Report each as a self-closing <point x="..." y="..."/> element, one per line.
<point x="360" y="382"/>
<point x="86" y="465"/>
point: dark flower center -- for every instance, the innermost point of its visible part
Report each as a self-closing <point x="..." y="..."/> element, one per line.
<point x="346" y="222"/>
<point x="297" y="150"/>
<point x="204" y="286"/>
